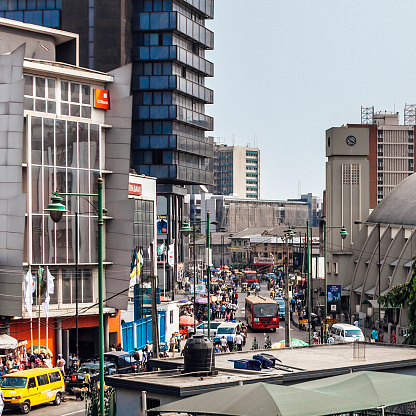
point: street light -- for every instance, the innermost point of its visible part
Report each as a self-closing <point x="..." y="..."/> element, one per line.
<point x="343" y="233"/>
<point x="185" y="230"/>
<point x="288" y="234"/>
<point x="379" y="267"/>
<point x="309" y="277"/>
<point x="56" y="209"/>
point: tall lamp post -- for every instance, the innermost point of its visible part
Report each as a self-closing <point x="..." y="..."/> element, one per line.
<point x="185" y="230"/>
<point x="343" y="233"/>
<point x="56" y="210"/>
<point x="288" y="234"/>
<point x="379" y="267"/>
<point x="309" y="277"/>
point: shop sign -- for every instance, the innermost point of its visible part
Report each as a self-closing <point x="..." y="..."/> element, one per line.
<point x="101" y="99"/>
<point x="135" y="189"/>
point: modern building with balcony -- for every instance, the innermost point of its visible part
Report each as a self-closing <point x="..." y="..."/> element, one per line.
<point x="236" y="171"/>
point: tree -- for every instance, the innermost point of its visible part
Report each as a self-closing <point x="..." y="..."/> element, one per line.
<point x="404" y="296"/>
<point x="255" y="345"/>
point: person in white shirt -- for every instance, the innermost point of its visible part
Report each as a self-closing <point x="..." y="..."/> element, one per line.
<point x="223" y="343"/>
<point x="239" y="341"/>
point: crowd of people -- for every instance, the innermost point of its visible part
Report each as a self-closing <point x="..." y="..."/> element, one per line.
<point x="14" y="362"/>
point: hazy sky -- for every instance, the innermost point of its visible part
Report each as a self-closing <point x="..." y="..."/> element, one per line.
<point x="285" y="71"/>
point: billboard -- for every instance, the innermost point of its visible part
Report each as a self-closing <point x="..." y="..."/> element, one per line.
<point x="162" y="224"/>
<point x="334" y="299"/>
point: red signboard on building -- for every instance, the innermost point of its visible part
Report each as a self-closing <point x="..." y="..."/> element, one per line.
<point x="101" y="99"/>
<point x="135" y="189"/>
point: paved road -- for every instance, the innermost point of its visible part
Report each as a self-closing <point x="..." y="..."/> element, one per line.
<point x="71" y="407"/>
<point x="261" y="335"/>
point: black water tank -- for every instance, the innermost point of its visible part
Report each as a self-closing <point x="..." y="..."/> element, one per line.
<point x="199" y="355"/>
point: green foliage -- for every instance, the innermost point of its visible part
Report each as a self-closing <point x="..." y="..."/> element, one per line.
<point x="92" y="407"/>
<point x="404" y="296"/>
<point x="267" y="343"/>
<point x="255" y="345"/>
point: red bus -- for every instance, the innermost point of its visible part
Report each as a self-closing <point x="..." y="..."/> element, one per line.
<point x="262" y="313"/>
<point x="250" y="277"/>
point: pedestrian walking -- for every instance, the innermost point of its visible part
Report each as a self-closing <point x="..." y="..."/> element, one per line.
<point x="239" y="341"/>
<point x="172" y="343"/>
<point x="374" y="335"/>
<point x="223" y="343"/>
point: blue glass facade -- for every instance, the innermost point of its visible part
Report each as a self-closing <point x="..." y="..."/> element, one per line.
<point x="169" y="70"/>
<point x="39" y="12"/>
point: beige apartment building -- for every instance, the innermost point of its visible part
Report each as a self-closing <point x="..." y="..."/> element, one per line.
<point x="237" y="171"/>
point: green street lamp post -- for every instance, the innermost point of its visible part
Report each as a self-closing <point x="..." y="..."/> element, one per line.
<point x="56" y="210"/>
<point x="288" y="234"/>
<point x="343" y="233"/>
<point x="185" y="230"/>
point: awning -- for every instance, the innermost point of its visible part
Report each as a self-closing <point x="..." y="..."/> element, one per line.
<point x="359" y="289"/>
<point x="394" y="263"/>
<point x="7" y="342"/>
<point x="368" y="261"/>
<point x="373" y="303"/>
<point x="347" y="287"/>
<point x="370" y="291"/>
<point x="408" y="264"/>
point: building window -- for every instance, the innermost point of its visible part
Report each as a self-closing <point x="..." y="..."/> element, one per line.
<point x="351" y="174"/>
<point x="40" y="94"/>
<point x="75" y="99"/>
<point x="85" y="286"/>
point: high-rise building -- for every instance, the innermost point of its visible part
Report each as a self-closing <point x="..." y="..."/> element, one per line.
<point x="365" y="163"/>
<point x="166" y="42"/>
<point x="236" y="171"/>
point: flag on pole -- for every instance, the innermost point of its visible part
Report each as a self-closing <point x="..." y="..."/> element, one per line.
<point x="171" y="255"/>
<point x="29" y="288"/>
<point x="50" y="289"/>
<point x="161" y="249"/>
<point x="133" y="264"/>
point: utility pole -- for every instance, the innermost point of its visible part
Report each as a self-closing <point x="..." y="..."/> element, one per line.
<point x="155" y="327"/>
<point x="287" y="303"/>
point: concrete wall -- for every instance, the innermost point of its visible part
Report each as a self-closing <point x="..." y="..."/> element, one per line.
<point x="119" y="231"/>
<point x="12" y="199"/>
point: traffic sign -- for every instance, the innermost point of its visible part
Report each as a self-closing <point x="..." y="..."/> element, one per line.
<point x="331" y="321"/>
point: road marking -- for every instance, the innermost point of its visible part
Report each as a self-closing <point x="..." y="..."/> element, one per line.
<point x="73" y="413"/>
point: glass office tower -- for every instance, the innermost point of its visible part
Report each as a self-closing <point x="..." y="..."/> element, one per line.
<point x="39" y="12"/>
<point x="169" y="70"/>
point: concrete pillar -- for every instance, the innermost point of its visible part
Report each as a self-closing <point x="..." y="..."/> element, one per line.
<point x="106" y="334"/>
<point x="397" y="334"/>
<point x="65" y="345"/>
<point x="389" y="327"/>
<point x="58" y="336"/>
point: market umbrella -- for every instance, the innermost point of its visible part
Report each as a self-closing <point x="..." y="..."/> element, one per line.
<point x="185" y="320"/>
<point x="43" y="350"/>
<point x="7" y="342"/>
<point x="201" y="301"/>
<point x="214" y="270"/>
<point x="294" y="342"/>
<point x="214" y="298"/>
<point x="183" y="301"/>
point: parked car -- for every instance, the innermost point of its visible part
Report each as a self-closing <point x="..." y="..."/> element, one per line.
<point x="281" y="303"/>
<point x="124" y="362"/>
<point x="225" y="329"/>
<point x="77" y="379"/>
<point x="202" y="328"/>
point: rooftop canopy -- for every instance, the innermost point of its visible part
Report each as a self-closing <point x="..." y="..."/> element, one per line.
<point x="333" y="395"/>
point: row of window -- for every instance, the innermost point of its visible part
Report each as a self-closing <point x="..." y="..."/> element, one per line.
<point x="47" y="18"/>
<point x="174" y="21"/>
<point x="206" y="6"/>
<point x="10" y="5"/>
<point x="41" y="94"/>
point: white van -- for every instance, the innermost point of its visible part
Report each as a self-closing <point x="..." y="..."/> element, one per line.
<point x="202" y="328"/>
<point x="225" y="329"/>
<point x="346" y="333"/>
